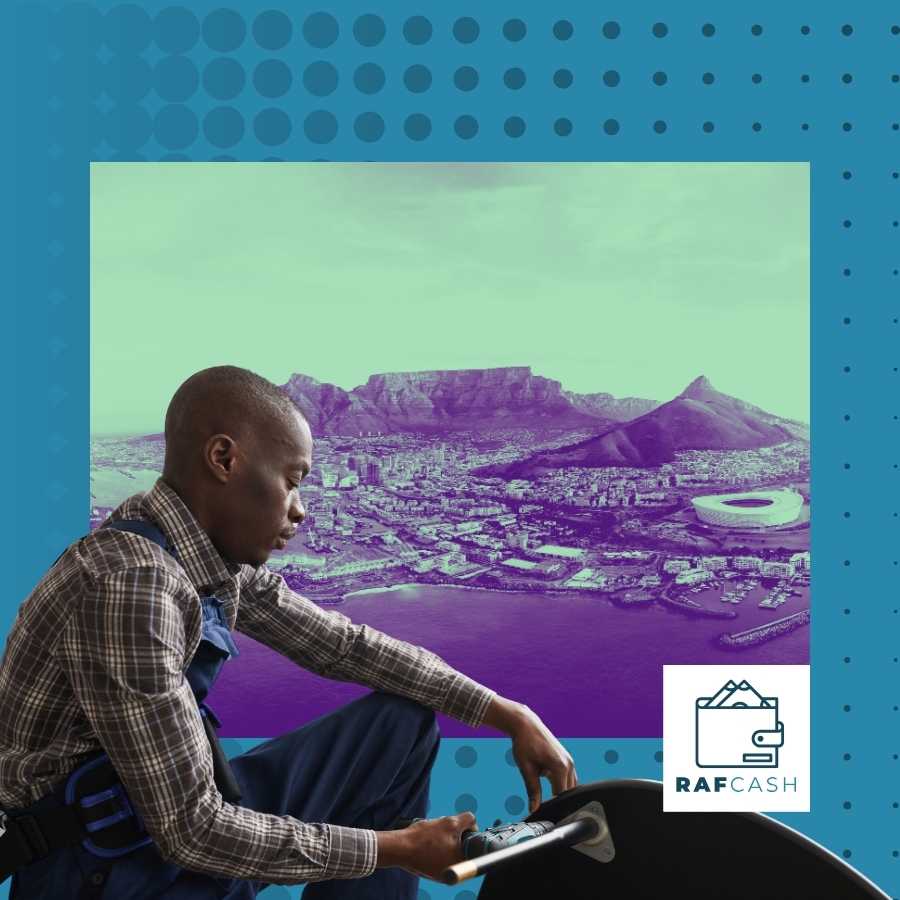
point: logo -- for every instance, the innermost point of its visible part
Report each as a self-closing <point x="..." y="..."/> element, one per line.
<point x="738" y="728"/>
<point x="725" y="741"/>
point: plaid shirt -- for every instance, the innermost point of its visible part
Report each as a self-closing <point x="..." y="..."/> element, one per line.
<point x="96" y="659"/>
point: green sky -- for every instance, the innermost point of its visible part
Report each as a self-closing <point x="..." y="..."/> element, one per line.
<point x="620" y="277"/>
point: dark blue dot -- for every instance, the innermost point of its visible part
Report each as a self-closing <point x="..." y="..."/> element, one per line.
<point x="369" y="78"/>
<point x="562" y="78"/>
<point x="514" y="29"/>
<point x="708" y="30"/>
<point x="756" y="30"/>
<point x="563" y="127"/>
<point x="611" y="756"/>
<point x="175" y="78"/>
<point x="223" y="78"/>
<point x="756" y="78"/>
<point x="757" y="126"/>
<point x="658" y="756"/>
<point x="320" y="126"/>
<point x="611" y="30"/>
<point x="128" y="127"/>
<point x="514" y="805"/>
<point x="465" y="78"/>
<point x="369" y="30"/>
<point x="804" y="29"/>
<point x="846" y="78"/>
<point x="895" y="29"/>
<point x="369" y="127"/>
<point x="514" y="78"/>
<point x="659" y="126"/>
<point x="176" y="30"/>
<point x="127" y="28"/>
<point x="223" y="126"/>
<point x="224" y="30"/>
<point x="417" y="30"/>
<point x="804" y="126"/>
<point x="514" y="126"/>
<point x="417" y="127"/>
<point x="320" y="30"/>
<point x="563" y="30"/>
<point x="466" y="757"/>
<point x="660" y="30"/>
<point x="846" y="30"/>
<point x="708" y="127"/>
<point x="846" y="175"/>
<point x="175" y="126"/>
<point x="417" y="79"/>
<point x="660" y="78"/>
<point x="895" y="78"/>
<point x="466" y="127"/>
<point x="466" y="30"/>
<point x="611" y="78"/>
<point x="465" y="803"/>
<point x="847" y="854"/>
<point x="611" y="126"/>
<point x="272" y="126"/>
<point x="272" y="29"/>
<point x="847" y="126"/>
<point x="127" y="78"/>
<point x="708" y="78"/>
<point x="320" y="78"/>
<point x="272" y="78"/>
<point x="804" y="79"/>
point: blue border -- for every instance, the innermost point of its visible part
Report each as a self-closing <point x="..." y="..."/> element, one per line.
<point x="58" y="126"/>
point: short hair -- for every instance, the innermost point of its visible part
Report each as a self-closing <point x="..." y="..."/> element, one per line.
<point x="226" y="399"/>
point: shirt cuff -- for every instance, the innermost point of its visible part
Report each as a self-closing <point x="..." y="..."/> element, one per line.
<point x="467" y="700"/>
<point x="352" y="852"/>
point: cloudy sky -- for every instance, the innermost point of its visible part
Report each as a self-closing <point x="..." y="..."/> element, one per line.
<point x="621" y="277"/>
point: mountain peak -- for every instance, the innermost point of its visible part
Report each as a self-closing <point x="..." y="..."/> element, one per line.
<point x="698" y="387"/>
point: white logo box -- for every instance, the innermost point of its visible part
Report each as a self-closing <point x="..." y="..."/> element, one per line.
<point x="736" y="738"/>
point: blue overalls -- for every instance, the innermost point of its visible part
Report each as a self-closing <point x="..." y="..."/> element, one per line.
<point x="366" y="765"/>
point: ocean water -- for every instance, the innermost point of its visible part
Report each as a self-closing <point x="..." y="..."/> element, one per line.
<point x="586" y="666"/>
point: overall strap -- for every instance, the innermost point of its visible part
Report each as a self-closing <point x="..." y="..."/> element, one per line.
<point x="144" y="529"/>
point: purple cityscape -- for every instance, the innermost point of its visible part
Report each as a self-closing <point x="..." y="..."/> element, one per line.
<point x="558" y="547"/>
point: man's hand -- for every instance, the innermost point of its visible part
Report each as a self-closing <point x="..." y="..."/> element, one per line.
<point x="536" y="751"/>
<point x="425" y="848"/>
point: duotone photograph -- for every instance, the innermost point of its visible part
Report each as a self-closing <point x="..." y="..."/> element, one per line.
<point x="559" y="411"/>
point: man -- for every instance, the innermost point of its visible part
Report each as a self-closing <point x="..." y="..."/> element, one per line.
<point x="117" y="646"/>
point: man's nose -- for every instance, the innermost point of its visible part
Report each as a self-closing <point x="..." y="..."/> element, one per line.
<point x="298" y="511"/>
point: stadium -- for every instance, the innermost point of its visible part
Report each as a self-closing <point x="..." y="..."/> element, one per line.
<point x="751" y="510"/>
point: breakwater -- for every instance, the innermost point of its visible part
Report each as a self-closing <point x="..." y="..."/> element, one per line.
<point x="738" y="640"/>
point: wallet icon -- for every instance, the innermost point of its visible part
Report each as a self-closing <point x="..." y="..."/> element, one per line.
<point x="738" y="728"/>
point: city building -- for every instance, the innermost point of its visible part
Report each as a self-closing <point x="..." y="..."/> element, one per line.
<point x="749" y="510"/>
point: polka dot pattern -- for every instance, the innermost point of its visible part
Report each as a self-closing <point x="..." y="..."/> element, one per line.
<point x="222" y="82"/>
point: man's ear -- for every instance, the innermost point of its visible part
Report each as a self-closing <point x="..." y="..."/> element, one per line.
<point x="219" y="455"/>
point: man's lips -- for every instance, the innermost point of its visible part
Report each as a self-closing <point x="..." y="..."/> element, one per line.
<point x="283" y="538"/>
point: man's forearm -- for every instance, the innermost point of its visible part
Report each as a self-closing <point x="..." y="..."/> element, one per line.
<point x="506" y="715"/>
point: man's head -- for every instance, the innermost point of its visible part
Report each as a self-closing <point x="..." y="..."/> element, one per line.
<point x="236" y="450"/>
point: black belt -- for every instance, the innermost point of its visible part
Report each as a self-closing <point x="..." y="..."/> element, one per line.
<point x="91" y="808"/>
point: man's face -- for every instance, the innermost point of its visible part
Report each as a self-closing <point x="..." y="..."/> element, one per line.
<point x="261" y="506"/>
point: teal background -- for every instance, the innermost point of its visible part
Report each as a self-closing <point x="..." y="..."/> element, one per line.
<point x="72" y="106"/>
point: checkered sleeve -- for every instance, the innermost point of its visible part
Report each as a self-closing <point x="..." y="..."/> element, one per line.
<point x="122" y="649"/>
<point x="328" y="643"/>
